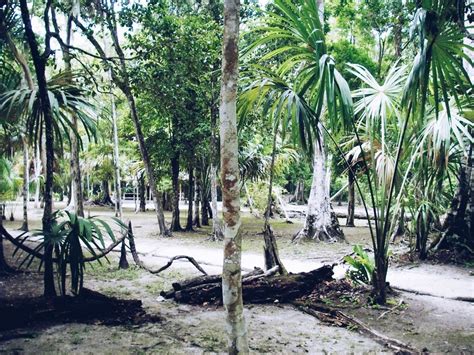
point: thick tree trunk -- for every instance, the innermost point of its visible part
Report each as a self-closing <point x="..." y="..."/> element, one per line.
<point x="197" y="199"/>
<point x="106" y="200"/>
<point x="141" y="192"/>
<point x="379" y="280"/>
<point x="39" y="62"/>
<point x="231" y="272"/>
<point x="351" y="204"/>
<point x="189" y="221"/>
<point x="321" y="222"/>
<point x="26" y="184"/>
<point x="458" y="225"/>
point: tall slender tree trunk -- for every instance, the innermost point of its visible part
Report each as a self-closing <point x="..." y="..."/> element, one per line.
<point x="197" y="199"/>
<point x="231" y="272"/>
<point x="142" y="193"/>
<point x="175" y="223"/>
<point x="123" y="83"/>
<point x="117" y="180"/>
<point x="26" y="183"/>
<point x="272" y="257"/>
<point x="217" y="232"/>
<point x="205" y="197"/>
<point x="189" y="223"/>
<point x="321" y="222"/>
<point x="351" y="204"/>
<point x="39" y="62"/>
<point x="38" y="168"/>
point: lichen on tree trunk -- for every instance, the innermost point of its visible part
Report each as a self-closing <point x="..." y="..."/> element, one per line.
<point x="231" y="271"/>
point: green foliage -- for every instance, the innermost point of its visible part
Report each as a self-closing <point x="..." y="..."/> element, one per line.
<point x="361" y="266"/>
<point x="70" y="236"/>
<point x="67" y="98"/>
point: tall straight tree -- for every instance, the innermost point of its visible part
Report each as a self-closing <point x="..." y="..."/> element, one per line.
<point x="121" y="78"/>
<point x="77" y="196"/>
<point x="231" y="271"/>
<point x="39" y="61"/>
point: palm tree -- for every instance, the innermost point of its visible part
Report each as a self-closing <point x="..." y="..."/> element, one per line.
<point x="63" y="99"/>
<point x="296" y="30"/>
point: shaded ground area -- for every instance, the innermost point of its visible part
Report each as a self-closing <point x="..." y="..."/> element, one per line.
<point x="437" y="324"/>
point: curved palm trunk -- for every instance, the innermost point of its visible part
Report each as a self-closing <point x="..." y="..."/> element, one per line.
<point x="39" y="62"/>
<point x="321" y="222"/>
<point x="231" y="271"/>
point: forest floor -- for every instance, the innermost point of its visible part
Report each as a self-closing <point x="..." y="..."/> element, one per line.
<point x="429" y="317"/>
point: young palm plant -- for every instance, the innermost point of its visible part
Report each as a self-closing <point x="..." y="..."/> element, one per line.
<point x="70" y="237"/>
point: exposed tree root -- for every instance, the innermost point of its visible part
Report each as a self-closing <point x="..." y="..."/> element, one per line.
<point x="136" y="258"/>
<point x="340" y="319"/>
<point x="329" y="233"/>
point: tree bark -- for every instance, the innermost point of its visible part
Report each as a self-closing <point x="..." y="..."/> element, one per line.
<point x="117" y="180"/>
<point x="258" y="288"/>
<point x="175" y="223"/>
<point x="457" y="227"/>
<point x="351" y="204"/>
<point x="321" y="222"/>
<point x="189" y="223"/>
<point x="26" y="183"/>
<point x="39" y="61"/>
<point x="217" y="232"/>
<point x="37" y="168"/>
<point x="197" y="199"/>
<point x="106" y="200"/>
<point x="141" y="192"/>
<point x="231" y="271"/>
<point x="205" y="205"/>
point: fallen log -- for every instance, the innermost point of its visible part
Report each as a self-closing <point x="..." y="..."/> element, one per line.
<point x="208" y="279"/>
<point x="264" y="289"/>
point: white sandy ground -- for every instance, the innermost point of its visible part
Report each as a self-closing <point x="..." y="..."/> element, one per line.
<point x="448" y="325"/>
